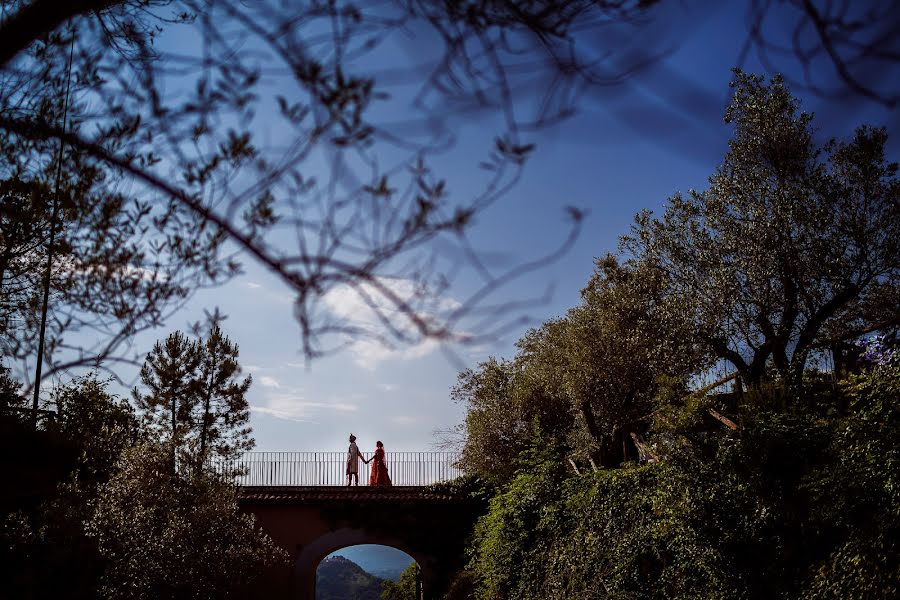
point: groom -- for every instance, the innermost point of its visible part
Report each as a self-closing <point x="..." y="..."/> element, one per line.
<point x="353" y="458"/>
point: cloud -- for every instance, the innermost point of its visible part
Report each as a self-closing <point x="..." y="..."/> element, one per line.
<point x="290" y="407"/>
<point x="403" y="420"/>
<point x="363" y="308"/>
<point x="367" y="354"/>
<point x="267" y="381"/>
<point x="253" y="286"/>
<point x="389" y="387"/>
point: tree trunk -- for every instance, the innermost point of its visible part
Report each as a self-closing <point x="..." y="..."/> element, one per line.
<point x="173" y="404"/>
<point x="207" y="401"/>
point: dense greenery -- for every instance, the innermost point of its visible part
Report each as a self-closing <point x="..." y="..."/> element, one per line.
<point x="801" y="502"/>
<point x="622" y="475"/>
<point x="173" y="536"/>
<point x="99" y="511"/>
<point x="403" y="589"/>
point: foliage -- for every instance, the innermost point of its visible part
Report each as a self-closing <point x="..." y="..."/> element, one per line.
<point x="859" y="493"/>
<point x="879" y="350"/>
<point x="589" y="378"/>
<point x="467" y="485"/>
<point x="169" y="376"/>
<point x="508" y="540"/>
<point x="791" y="247"/>
<point x="48" y="553"/>
<point x="618" y="344"/>
<point x="221" y="412"/>
<point x="100" y="425"/>
<point x="802" y="502"/>
<point x="501" y="403"/>
<point x="171" y="535"/>
<point x="195" y="398"/>
<point x="405" y="588"/>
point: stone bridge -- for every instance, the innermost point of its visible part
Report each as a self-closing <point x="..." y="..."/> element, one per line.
<point x="312" y="521"/>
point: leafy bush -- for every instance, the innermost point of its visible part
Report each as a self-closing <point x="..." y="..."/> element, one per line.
<point x="802" y="501"/>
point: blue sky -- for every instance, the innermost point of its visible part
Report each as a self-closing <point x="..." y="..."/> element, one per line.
<point x="628" y="148"/>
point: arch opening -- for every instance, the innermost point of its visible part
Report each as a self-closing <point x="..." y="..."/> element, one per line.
<point x="368" y="572"/>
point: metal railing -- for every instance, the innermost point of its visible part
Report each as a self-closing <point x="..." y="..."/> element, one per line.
<point x="329" y="468"/>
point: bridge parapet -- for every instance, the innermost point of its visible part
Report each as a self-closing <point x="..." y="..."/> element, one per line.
<point x="298" y="495"/>
<point x="327" y="469"/>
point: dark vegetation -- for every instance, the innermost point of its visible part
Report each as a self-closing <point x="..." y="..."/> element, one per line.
<point x="621" y="474"/>
<point x="111" y="502"/>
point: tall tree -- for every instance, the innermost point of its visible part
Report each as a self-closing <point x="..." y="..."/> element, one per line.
<point x="170" y="376"/>
<point x="589" y="378"/>
<point x="616" y="347"/>
<point x="222" y="409"/>
<point x="793" y="245"/>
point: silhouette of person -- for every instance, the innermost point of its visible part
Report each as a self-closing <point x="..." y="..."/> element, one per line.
<point x="379" y="475"/>
<point x="353" y="458"/>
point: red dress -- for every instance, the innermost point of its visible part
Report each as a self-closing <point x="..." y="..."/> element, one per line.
<point x="379" y="474"/>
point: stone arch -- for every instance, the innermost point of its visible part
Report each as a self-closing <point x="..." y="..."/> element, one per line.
<point x="309" y="557"/>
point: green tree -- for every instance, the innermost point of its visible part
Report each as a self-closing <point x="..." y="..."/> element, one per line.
<point x="100" y="425"/>
<point x="590" y="378"/>
<point x="615" y="348"/>
<point x="172" y="535"/>
<point x="406" y="588"/>
<point x="493" y="424"/>
<point x="792" y="246"/>
<point x="47" y="553"/>
<point x="170" y="376"/>
<point x="503" y="400"/>
<point x="223" y="412"/>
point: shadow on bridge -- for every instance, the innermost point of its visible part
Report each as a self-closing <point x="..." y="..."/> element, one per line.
<point x="312" y="522"/>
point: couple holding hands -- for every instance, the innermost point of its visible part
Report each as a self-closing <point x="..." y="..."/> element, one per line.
<point x="379" y="475"/>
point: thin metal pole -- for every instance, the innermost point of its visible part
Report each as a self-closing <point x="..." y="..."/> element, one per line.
<point x="53" y="219"/>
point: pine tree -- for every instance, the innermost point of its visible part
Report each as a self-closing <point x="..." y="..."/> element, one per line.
<point x="223" y="411"/>
<point x="170" y="375"/>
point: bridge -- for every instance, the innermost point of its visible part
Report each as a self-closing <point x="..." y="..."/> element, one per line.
<point x="300" y="499"/>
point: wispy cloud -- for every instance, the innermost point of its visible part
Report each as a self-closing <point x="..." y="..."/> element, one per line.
<point x="403" y="420"/>
<point x="388" y="387"/>
<point x="267" y="381"/>
<point x="253" y="286"/>
<point x="292" y="407"/>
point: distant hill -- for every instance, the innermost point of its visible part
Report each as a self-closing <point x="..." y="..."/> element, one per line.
<point x="381" y="561"/>
<point x="340" y="579"/>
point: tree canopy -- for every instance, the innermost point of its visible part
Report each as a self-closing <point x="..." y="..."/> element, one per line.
<point x="791" y="248"/>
